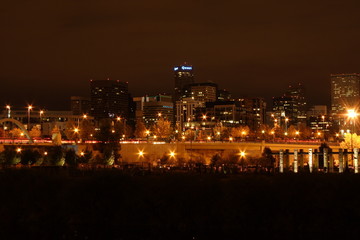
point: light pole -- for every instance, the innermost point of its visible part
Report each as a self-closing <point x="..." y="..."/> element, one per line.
<point x="8" y="111"/>
<point x="29" y="109"/>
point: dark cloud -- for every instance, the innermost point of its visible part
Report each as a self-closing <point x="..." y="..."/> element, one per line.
<point x="253" y="48"/>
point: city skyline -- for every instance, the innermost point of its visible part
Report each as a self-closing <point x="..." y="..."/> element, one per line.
<point x="252" y="48"/>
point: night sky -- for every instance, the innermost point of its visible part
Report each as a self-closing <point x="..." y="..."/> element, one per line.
<point x="50" y="49"/>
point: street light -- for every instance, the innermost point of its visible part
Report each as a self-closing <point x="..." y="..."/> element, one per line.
<point x="29" y="109"/>
<point x="286" y="120"/>
<point x="8" y="111"/>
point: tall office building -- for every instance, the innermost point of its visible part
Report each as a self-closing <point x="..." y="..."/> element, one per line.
<point x="80" y="105"/>
<point x="205" y="91"/>
<point x="184" y="76"/>
<point x="297" y="94"/>
<point x="109" y="98"/>
<point x="344" y="92"/>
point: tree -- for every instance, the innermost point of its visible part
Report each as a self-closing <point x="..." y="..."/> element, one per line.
<point x="140" y="129"/>
<point x="190" y="135"/>
<point x="54" y="157"/>
<point x="305" y="131"/>
<point x="85" y="157"/>
<point x="71" y="159"/>
<point x="240" y="132"/>
<point x="86" y="130"/>
<point x="35" y="132"/>
<point x="350" y="141"/>
<point x="15" y="132"/>
<point x="10" y="156"/>
<point x="292" y="131"/>
<point x="72" y="131"/>
<point x="108" y="137"/>
<point x="162" y="128"/>
<point x="29" y="156"/>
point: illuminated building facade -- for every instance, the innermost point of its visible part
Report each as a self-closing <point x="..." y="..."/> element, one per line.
<point x="184" y="76"/>
<point x="156" y="107"/>
<point x="206" y="91"/>
<point x="344" y="92"/>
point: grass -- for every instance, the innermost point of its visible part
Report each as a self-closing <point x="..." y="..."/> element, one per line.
<point x="110" y="204"/>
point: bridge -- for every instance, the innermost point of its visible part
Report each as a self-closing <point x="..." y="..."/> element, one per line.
<point x="19" y="125"/>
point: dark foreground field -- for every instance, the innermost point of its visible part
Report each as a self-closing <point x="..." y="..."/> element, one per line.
<point x="109" y="204"/>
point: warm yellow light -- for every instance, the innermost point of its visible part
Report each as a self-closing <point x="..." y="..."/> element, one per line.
<point x="141" y="153"/>
<point x="82" y="153"/>
<point x="112" y="131"/>
<point x="352" y="113"/>
<point x="242" y="154"/>
<point x="76" y="130"/>
<point x="263" y="131"/>
<point x="286" y="133"/>
<point x="159" y="114"/>
<point x="172" y="154"/>
<point x="297" y="132"/>
<point x="22" y="134"/>
<point x="204" y="117"/>
<point x="18" y="150"/>
<point x="218" y="133"/>
<point x="147" y="132"/>
<point x="183" y="137"/>
<point x="45" y="153"/>
<point x="230" y="138"/>
<point x="30" y="107"/>
<point x="272" y="132"/>
<point x="155" y="136"/>
<point x="337" y="134"/>
<point x="243" y="132"/>
<point x="286" y="119"/>
<point x="118" y="118"/>
<point x="8" y="106"/>
<point x="318" y="133"/>
<point x="209" y="138"/>
<point x="84" y="116"/>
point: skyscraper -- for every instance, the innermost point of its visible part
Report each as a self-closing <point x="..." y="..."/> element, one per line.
<point x="183" y="76"/>
<point x="344" y="92"/>
<point x="205" y="91"/>
<point x="109" y="98"/>
<point x="80" y="105"/>
<point x="297" y="94"/>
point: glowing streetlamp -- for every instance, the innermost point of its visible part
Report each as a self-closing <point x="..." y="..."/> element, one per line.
<point x="29" y="109"/>
<point x="141" y="153"/>
<point x="286" y="120"/>
<point x="18" y="150"/>
<point x="204" y="117"/>
<point x="242" y="154"/>
<point x="8" y="111"/>
<point x="172" y="154"/>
